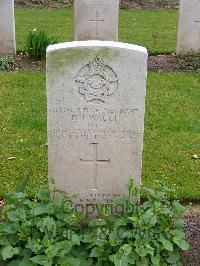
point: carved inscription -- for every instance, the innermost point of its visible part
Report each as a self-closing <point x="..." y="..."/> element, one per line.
<point x="97" y="82"/>
<point x="94" y="134"/>
<point x="95" y="197"/>
<point x="92" y="118"/>
<point x="95" y="162"/>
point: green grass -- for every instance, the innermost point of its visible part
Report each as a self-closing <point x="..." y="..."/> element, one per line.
<point x="23" y="129"/>
<point x="171" y="131"/>
<point x="136" y="26"/>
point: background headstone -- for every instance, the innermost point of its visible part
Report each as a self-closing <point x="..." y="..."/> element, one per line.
<point x="96" y="20"/>
<point x="7" y="27"/>
<point x="96" y="102"/>
<point x="189" y="26"/>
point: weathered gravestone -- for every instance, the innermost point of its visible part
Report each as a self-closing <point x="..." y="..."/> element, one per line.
<point x="96" y="20"/>
<point x="96" y="102"/>
<point x="189" y="26"/>
<point x="7" y="27"/>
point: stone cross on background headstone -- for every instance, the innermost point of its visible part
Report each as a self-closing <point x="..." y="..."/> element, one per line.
<point x="198" y="21"/>
<point x="96" y="20"/>
<point x="7" y="27"/>
<point x="96" y="102"/>
<point x="189" y="27"/>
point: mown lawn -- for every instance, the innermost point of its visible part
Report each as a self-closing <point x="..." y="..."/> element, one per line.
<point x="172" y="131"/>
<point x="154" y="29"/>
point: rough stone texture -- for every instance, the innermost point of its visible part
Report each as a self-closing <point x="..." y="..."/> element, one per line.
<point x="7" y="27"/>
<point x="96" y="20"/>
<point x="189" y="26"/>
<point x="96" y="102"/>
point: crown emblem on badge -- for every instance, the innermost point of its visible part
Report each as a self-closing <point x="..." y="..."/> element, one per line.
<point x="97" y="81"/>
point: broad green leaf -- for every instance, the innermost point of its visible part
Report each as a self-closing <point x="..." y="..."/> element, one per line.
<point x="26" y="263"/>
<point x="165" y="211"/>
<point x="167" y="244"/>
<point x="122" y="261"/>
<point x="42" y="209"/>
<point x="74" y="238"/>
<point x="181" y="243"/>
<point x="10" y="228"/>
<point x="147" y="216"/>
<point x="71" y="262"/>
<point x="150" y="191"/>
<point x="178" y="209"/>
<point x="118" y="260"/>
<point x="86" y="262"/>
<point x="102" y="233"/>
<point x="51" y="251"/>
<point x="143" y="262"/>
<point x="48" y="226"/>
<point x="179" y="223"/>
<point x="8" y="252"/>
<point x="27" y="254"/>
<point x="173" y="257"/>
<point x="125" y="250"/>
<point x="146" y="205"/>
<point x="14" y="263"/>
<point x="153" y="221"/>
<point x="88" y="237"/>
<point x="115" y="237"/>
<point x="4" y="241"/>
<point x="12" y="216"/>
<point x="95" y="253"/>
<point x="14" y="239"/>
<point x="132" y="257"/>
<point x="97" y="222"/>
<point x="155" y="260"/>
<point x="133" y="219"/>
<point x="40" y="259"/>
<point x="19" y="195"/>
<point x="142" y="251"/>
<point x="21" y="263"/>
<point x="64" y="247"/>
<point x="178" y="234"/>
<point x="34" y="245"/>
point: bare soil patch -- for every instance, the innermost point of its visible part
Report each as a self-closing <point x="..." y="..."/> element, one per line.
<point x="192" y="229"/>
<point x="172" y="62"/>
<point x="44" y="4"/>
<point x="125" y="4"/>
<point x="157" y="63"/>
<point x="25" y="64"/>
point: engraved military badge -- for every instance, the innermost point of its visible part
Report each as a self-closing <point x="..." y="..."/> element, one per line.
<point x="97" y="81"/>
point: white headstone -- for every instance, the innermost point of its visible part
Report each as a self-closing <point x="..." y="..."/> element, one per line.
<point x="189" y="27"/>
<point x="7" y="27"/>
<point x="96" y="20"/>
<point x="96" y="103"/>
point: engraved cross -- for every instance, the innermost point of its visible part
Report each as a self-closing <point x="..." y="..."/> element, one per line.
<point x="97" y="20"/>
<point x="95" y="162"/>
